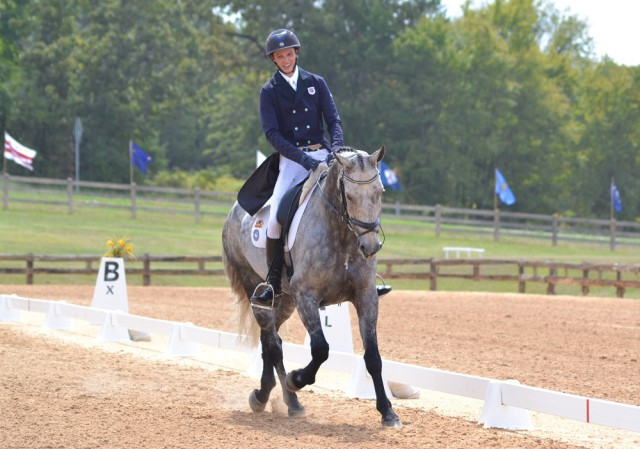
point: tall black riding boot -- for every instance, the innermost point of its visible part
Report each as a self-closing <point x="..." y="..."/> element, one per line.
<point x="275" y="261"/>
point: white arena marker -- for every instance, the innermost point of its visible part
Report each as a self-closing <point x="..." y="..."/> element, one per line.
<point x="111" y="292"/>
<point x="255" y="364"/>
<point x="56" y="320"/>
<point x="7" y="313"/>
<point x="495" y="414"/>
<point x="336" y="327"/>
<point x="111" y="331"/>
<point x="180" y="346"/>
<point x="361" y="383"/>
<point x="111" y="286"/>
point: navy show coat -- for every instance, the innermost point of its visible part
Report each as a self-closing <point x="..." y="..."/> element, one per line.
<point x="292" y="119"/>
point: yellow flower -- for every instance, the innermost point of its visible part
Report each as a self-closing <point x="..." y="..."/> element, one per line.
<point x="122" y="248"/>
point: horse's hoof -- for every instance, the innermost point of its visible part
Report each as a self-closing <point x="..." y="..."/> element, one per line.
<point x="255" y="404"/>
<point x="288" y="382"/>
<point x="392" y="422"/>
<point x="297" y="412"/>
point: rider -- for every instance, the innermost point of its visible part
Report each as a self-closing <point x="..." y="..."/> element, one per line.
<point x="293" y="105"/>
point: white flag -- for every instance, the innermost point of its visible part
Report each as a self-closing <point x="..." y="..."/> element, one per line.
<point x="18" y="153"/>
<point x="259" y="158"/>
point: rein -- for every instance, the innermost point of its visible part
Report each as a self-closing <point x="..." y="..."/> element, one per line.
<point x="351" y="222"/>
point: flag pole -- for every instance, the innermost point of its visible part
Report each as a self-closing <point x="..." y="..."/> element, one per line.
<point x="495" y="194"/>
<point x="4" y="158"/>
<point x="611" y="211"/>
<point x="130" y="162"/>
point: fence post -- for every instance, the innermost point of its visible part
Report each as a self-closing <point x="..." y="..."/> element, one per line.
<point x="146" y="271"/>
<point x="5" y="190"/>
<point x="612" y="234"/>
<point x="551" y="286"/>
<point x="554" y="230"/>
<point x="521" y="282"/>
<point x="134" y="210"/>
<point x="29" y="269"/>
<point x="69" y="196"/>
<point x="197" y="205"/>
<point x="433" y="274"/>
<point x="496" y="225"/>
<point x="438" y="219"/>
<point x="620" y="286"/>
<point x="584" y="287"/>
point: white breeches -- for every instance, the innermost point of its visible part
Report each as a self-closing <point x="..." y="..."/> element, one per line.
<point x="291" y="173"/>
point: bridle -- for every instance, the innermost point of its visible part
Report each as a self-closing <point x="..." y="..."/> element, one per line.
<point x="352" y="223"/>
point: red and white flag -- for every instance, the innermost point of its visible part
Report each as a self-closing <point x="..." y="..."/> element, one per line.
<point x="18" y="153"/>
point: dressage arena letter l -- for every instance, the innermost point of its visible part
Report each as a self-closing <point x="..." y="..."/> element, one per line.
<point x="336" y="326"/>
<point x="111" y="286"/>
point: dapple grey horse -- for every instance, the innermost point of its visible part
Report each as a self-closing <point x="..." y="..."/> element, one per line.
<point x="333" y="259"/>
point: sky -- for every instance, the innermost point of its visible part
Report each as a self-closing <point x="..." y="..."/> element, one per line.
<point x="612" y="24"/>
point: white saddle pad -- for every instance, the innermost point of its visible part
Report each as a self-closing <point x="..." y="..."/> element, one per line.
<point x="260" y="220"/>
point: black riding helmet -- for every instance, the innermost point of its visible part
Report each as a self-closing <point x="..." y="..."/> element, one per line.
<point x="279" y="40"/>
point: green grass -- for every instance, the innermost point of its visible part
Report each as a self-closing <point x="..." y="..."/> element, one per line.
<point x="50" y="230"/>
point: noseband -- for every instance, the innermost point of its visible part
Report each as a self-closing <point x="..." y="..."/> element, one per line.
<point x="368" y="226"/>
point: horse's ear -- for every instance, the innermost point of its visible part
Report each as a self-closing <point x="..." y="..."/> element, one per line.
<point x="341" y="160"/>
<point x="378" y="155"/>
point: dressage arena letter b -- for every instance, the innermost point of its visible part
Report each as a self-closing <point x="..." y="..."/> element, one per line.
<point x="111" y="271"/>
<point x="111" y="285"/>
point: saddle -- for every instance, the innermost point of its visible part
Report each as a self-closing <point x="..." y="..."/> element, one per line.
<point x="295" y="196"/>
<point x="289" y="204"/>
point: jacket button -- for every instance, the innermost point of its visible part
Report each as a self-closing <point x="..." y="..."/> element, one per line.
<point x="308" y="126"/>
<point x="296" y="128"/>
<point x="305" y="110"/>
<point x="294" y="111"/>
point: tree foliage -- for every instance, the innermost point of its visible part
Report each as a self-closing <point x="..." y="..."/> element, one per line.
<point x="513" y="84"/>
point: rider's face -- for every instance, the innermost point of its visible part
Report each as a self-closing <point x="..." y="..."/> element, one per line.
<point x="285" y="60"/>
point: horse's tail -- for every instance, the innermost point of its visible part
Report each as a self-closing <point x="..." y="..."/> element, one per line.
<point x="246" y="324"/>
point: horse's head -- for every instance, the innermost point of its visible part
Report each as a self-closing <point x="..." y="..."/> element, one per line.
<point x="361" y="190"/>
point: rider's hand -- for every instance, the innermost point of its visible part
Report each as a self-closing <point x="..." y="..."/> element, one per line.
<point x="309" y="163"/>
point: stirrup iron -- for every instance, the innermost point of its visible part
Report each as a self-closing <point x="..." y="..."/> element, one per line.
<point x="273" y="296"/>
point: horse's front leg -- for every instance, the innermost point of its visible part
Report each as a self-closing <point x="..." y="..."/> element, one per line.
<point x="368" y="321"/>
<point x="310" y="316"/>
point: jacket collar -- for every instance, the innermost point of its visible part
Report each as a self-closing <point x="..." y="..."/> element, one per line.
<point x="282" y="86"/>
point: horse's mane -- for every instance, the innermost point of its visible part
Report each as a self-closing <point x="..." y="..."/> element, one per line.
<point x="348" y="152"/>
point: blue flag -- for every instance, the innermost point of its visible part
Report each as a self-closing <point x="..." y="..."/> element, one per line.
<point x="616" y="201"/>
<point x="139" y="158"/>
<point x="503" y="191"/>
<point x="389" y="178"/>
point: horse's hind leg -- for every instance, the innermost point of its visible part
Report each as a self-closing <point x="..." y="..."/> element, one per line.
<point x="272" y="357"/>
<point x="260" y="397"/>
<point x="295" y="408"/>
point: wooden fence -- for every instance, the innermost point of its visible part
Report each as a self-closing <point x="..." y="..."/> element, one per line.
<point x="199" y="203"/>
<point x="131" y="197"/>
<point x="520" y="272"/>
